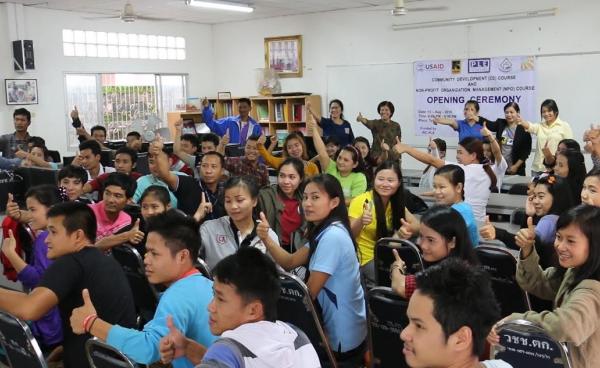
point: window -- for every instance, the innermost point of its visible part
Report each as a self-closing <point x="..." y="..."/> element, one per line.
<point x="122" y="102"/>
<point x="122" y="45"/>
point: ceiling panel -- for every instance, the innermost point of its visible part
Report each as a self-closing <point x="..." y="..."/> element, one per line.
<point x="178" y="11"/>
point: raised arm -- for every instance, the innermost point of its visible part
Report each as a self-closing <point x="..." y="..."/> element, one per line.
<point x="425" y="158"/>
<point x="496" y="151"/>
<point x="312" y="113"/>
<point x="446" y="121"/>
<point x="281" y="256"/>
<point x="271" y="160"/>
<point x="319" y="144"/>
<point x="185" y="157"/>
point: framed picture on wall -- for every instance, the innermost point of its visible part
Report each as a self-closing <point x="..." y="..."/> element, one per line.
<point x="284" y="55"/>
<point x="21" y="91"/>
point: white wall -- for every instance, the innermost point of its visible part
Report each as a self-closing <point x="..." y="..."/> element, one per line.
<point x="44" y="27"/>
<point x="360" y="37"/>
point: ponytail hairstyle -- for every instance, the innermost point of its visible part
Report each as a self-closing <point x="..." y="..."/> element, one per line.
<point x="330" y="185"/>
<point x="397" y="201"/>
<point x="577" y="171"/>
<point x="450" y="224"/>
<point x="159" y="192"/>
<point x="562" y="197"/>
<point x="587" y="218"/>
<point x="47" y="194"/>
<point x="474" y="145"/>
<point x="455" y="175"/>
<point x="336" y="101"/>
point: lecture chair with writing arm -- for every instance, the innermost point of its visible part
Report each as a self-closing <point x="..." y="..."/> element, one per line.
<point x="19" y="346"/>
<point x="384" y="258"/>
<point x="295" y="306"/>
<point x="525" y="344"/>
<point x="102" y="355"/>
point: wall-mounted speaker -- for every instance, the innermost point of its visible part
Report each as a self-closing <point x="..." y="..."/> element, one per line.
<point x="23" y="55"/>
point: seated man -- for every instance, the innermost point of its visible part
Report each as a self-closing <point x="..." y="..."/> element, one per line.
<point x="243" y="312"/>
<point x="211" y="183"/>
<point x="11" y="142"/>
<point x="247" y="164"/>
<point x="125" y="159"/>
<point x="172" y="249"/>
<point x="110" y="217"/>
<point x="450" y="315"/>
<point x="89" y="158"/>
<point x="134" y="141"/>
<point x="77" y="265"/>
<point x="209" y="142"/>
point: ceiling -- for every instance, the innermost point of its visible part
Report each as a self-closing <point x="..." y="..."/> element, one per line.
<point x="177" y="10"/>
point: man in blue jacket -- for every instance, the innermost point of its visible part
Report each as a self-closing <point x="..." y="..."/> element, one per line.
<point x="240" y="127"/>
<point x="171" y="249"/>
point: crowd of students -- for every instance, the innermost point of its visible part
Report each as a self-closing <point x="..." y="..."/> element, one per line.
<point x="196" y="202"/>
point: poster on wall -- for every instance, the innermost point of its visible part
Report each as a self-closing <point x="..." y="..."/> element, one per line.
<point x="443" y="86"/>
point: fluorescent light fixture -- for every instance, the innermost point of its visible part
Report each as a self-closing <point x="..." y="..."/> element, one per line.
<point x="220" y="5"/>
<point x="481" y="19"/>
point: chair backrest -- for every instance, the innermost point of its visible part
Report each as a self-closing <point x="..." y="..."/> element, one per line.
<point x="501" y="265"/>
<point x="295" y="306"/>
<point x="202" y="266"/>
<point x="145" y="295"/>
<point x="524" y="344"/>
<point x="55" y="155"/>
<point x="141" y="164"/>
<point x="384" y="258"/>
<point x="102" y="355"/>
<point x="20" y="347"/>
<point x="387" y="318"/>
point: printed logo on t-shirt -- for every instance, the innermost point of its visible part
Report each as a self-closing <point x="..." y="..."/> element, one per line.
<point x="221" y="239"/>
<point x="347" y="130"/>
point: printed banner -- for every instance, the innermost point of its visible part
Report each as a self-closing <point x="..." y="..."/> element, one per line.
<point x="442" y="87"/>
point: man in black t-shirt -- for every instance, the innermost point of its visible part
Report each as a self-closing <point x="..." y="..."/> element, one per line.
<point x="77" y="265"/>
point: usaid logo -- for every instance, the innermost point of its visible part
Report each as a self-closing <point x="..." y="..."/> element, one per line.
<point x="430" y="67"/>
<point x="479" y="65"/>
<point x="505" y="66"/>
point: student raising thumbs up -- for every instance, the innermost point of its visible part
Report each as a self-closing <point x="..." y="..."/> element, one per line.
<point x="525" y="238"/>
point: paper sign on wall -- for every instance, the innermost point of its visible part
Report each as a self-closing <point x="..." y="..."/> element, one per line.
<point x="443" y="86"/>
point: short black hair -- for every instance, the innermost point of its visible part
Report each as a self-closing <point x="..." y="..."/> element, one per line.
<point x="210" y="137"/>
<point x="128" y="151"/>
<point x="246" y="100"/>
<point x="159" y="192"/>
<point x="92" y="145"/>
<point x="254" y="276"/>
<point x="178" y="230"/>
<point x="22" y="111"/>
<point x="78" y="216"/>
<point x="36" y="140"/>
<point x="98" y="127"/>
<point x="192" y="138"/>
<point x="215" y="153"/>
<point x="332" y="139"/>
<point x="253" y="137"/>
<point x="389" y="106"/>
<point x="122" y="181"/>
<point x="462" y="296"/>
<point x="47" y="194"/>
<point x="71" y="171"/>
<point x="134" y="134"/>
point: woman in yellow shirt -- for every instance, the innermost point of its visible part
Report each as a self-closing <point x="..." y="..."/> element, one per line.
<point x="293" y="146"/>
<point x="377" y="214"/>
<point x="548" y="134"/>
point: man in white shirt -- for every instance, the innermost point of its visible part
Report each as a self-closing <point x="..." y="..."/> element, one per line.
<point x="450" y="314"/>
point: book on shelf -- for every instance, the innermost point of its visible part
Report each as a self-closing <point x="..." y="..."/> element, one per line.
<point x="281" y="136"/>
<point x="298" y="112"/>
<point x="279" y="112"/>
<point x="262" y="112"/>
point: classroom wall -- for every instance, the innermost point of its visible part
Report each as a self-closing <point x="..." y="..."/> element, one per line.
<point x="45" y="26"/>
<point x="342" y="38"/>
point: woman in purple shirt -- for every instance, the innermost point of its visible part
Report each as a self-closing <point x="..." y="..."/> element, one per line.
<point x="39" y="199"/>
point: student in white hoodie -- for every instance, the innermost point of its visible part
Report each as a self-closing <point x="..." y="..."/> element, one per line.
<point x="243" y="313"/>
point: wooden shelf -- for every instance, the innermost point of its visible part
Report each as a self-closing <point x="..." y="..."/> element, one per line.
<point x="283" y="113"/>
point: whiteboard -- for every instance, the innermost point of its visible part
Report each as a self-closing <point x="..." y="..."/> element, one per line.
<point x="573" y="80"/>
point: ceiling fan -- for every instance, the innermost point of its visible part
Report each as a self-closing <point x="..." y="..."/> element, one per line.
<point x="127" y="15"/>
<point x="401" y="9"/>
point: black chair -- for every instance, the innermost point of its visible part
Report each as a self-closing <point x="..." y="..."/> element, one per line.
<point x="384" y="258"/>
<point x="67" y="160"/>
<point x="54" y="155"/>
<point x="20" y="347"/>
<point x="102" y="355"/>
<point x="31" y="176"/>
<point x="520" y="189"/>
<point x="525" y="344"/>
<point x="295" y="306"/>
<point x="106" y="158"/>
<point x="387" y="318"/>
<point x="202" y="266"/>
<point x="234" y="150"/>
<point x="145" y="295"/>
<point x="141" y="164"/>
<point x="501" y="265"/>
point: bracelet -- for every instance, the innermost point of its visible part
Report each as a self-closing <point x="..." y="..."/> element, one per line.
<point x="86" y="320"/>
<point x="395" y="266"/>
<point x="92" y="324"/>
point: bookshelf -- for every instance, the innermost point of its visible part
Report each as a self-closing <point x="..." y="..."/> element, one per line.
<point x="274" y="114"/>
